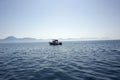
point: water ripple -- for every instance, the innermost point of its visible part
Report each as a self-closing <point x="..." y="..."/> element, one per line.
<point x="71" y="61"/>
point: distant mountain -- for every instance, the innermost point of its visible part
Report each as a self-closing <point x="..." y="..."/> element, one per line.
<point x="14" y="39"/>
<point x="10" y="38"/>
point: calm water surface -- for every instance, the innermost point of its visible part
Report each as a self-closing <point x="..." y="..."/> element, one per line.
<point x="85" y="60"/>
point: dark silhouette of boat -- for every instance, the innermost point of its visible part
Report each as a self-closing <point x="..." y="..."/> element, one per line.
<point x="55" y="42"/>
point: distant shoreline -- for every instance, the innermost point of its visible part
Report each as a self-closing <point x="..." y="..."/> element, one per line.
<point x="44" y="41"/>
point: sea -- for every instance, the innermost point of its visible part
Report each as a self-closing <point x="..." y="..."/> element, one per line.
<point x="74" y="60"/>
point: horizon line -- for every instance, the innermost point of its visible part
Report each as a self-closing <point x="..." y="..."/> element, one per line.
<point x="82" y="38"/>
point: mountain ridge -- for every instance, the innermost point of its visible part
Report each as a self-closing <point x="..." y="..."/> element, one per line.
<point x="13" y="39"/>
<point x="25" y="39"/>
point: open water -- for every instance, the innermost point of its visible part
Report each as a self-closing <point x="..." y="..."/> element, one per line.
<point x="83" y="60"/>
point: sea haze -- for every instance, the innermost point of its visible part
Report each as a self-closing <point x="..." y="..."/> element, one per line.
<point x="12" y="39"/>
<point x="78" y="60"/>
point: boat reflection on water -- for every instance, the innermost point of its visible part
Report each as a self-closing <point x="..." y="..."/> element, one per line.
<point x="55" y="42"/>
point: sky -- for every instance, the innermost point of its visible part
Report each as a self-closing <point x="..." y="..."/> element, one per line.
<point x="60" y="18"/>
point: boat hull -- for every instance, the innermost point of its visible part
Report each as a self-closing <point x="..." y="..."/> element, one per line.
<point x="51" y="43"/>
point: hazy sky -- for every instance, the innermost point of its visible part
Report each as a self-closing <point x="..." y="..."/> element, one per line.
<point x="60" y="18"/>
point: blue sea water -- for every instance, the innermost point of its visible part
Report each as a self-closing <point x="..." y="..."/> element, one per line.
<point x="83" y="60"/>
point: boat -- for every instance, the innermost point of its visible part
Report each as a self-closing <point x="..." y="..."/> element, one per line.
<point x="55" y="42"/>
